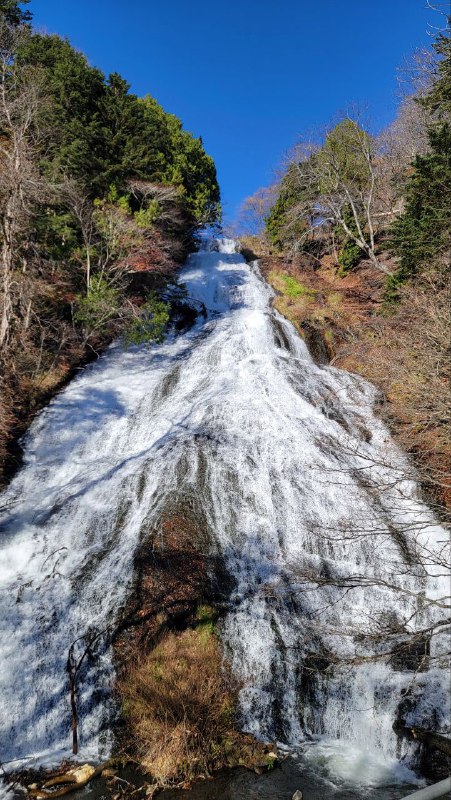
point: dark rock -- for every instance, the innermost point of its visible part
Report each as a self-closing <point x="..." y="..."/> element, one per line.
<point x="316" y="343"/>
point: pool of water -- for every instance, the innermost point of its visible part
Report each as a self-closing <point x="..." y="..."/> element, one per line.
<point x="294" y="773"/>
<point x="321" y="772"/>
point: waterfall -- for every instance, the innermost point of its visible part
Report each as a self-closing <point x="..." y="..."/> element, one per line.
<point x="300" y="484"/>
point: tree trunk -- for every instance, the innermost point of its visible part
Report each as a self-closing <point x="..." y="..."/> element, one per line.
<point x="374" y="260"/>
<point x="430" y="738"/>
<point x="72" y="673"/>
<point x="6" y="260"/>
<point x="88" y="268"/>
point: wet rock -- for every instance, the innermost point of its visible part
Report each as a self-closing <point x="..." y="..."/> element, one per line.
<point x="316" y="343"/>
<point x="248" y="254"/>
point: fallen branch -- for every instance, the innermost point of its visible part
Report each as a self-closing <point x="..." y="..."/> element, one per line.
<point x="75" y="779"/>
<point x="429" y="738"/>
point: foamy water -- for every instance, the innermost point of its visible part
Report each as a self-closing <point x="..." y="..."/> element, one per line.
<point x="296" y="477"/>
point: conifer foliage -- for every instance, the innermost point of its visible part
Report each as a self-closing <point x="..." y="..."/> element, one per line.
<point x="362" y="195"/>
<point x="423" y="232"/>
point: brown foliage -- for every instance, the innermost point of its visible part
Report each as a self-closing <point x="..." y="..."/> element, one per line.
<point x="408" y="354"/>
<point x="150" y="256"/>
<point x="45" y="344"/>
<point x="406" y="351"/>
<point x="180" y="706"/>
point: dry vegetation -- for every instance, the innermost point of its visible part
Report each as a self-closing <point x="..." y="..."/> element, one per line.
<point x="180" y="707"/>
<point x="355" y="238"/>
<point x="100" y="194"/>
<point x="408" y="355"/>
<point x="176" y="691"/>
<point x="405" y="351"/>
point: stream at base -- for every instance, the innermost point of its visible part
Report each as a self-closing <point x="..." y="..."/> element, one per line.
<point x="309" y="771"/>
<point x="281" y="783"/>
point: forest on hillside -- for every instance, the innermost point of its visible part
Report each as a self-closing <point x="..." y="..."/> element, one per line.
<point x="355" y="236"/>
<point x="101" y="193"/>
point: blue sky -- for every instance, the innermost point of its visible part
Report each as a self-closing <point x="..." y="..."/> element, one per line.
<point x="249" y="76"/>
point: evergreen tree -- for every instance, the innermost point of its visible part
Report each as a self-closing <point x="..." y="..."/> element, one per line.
<point x="283" y="226"/>
<point x="191" y="168"/>
<point x="12" y="12"/>
<point x="423" y="232"/>
<point x="76" y="144"/>
<point x="102" y="135"/>
<point x="136" y="141"/>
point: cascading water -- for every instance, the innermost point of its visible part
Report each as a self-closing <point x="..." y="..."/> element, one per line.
<point x="306" y="499"/>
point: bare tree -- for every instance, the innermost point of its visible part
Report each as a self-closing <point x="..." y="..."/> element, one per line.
<point x="417" y="73"/>
<point x="339" y="185"/>
<point x="254" y="210"/>
<point x="77" y="199"/>
<point x="409" y="558"/>
<point x="22" y="96"/>
<point x="399" y="144"/>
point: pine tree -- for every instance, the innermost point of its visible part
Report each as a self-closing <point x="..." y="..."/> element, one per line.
<point x="423" y="232"/>
<point x="13" y="14"/>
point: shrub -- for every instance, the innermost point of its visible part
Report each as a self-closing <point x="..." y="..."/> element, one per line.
<point x="151" y="323"/>
<point x="293" y="288"/>
<point x="96" y="309"/>
<point x="349" y="256"/>
<point x="146" y="217"/>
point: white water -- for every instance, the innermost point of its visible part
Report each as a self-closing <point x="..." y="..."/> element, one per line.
<point x="283" y="456"/>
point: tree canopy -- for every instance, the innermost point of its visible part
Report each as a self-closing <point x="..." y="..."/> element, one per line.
<point x="13" y="13"/>
<point x="103" y="135"/>
<point x="100" y="194"/>
<point x="423" y="231"/>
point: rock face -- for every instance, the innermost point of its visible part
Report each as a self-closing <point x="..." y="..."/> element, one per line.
<point x="316" y="343"/>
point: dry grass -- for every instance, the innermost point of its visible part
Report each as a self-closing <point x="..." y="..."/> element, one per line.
<point x="180" y="707"/>
<point x="175" y="689"/>
<point x="316" y="296"/>
<point x="253" y="245"/>
<point x="408" y="354"/>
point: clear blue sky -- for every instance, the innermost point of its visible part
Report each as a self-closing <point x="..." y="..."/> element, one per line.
<point x="248" y="75"/>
